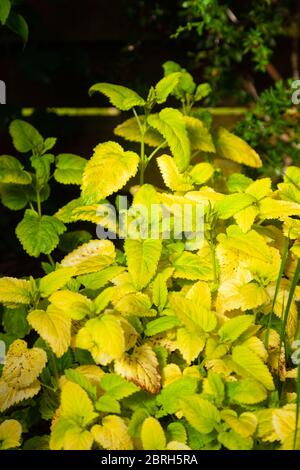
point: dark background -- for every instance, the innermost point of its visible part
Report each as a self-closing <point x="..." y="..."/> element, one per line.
<point x="72" y="45"/>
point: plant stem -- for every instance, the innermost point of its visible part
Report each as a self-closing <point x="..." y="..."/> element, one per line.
<point x="214" y="263"/>
<point x="38" y="201"/>
<point x="143" y="160"/>
<point x="156" y="150"/>
<point x="278" y="283"/>
<point x="51" y="260"/>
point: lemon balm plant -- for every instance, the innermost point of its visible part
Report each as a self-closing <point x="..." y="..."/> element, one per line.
<point x="169" y="343"/>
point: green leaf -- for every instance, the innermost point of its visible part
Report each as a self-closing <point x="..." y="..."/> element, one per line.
<point x="200" y="413"/>
<point x="232" y="204"/>
<point x="5" y="6"/>
<point x="202" y="90"/>
<point x="14" y="196"/>
<point x="152" y="435"/>
<point x="234" y="148"/>
<point x="25" y="136"/>
<point x="107" y="171"/>
<point x="56" y="280"/>
<point x="161" y="324"/>
<point x="234" y="441"/>
<point x="69" y="168"/>
<point x="76" y="377"/>
<point x="186" y="83"/>
<point x="234" y="327"/>
<point x="99" y="279"/>
<point x="142" y="259"/>
<point x="199" y="136"/>
<point x="170" y="396"/>
<point x="176" y="432"/>
<point x="201" y="172"/>
<point x="76" y="405"/>
<point x="137" y="304"/>
<point x="159" y="288"/>
<point x="165" y="86"/>
<point x="18" y="25"/>
<point x="71" y="240"/>
<point x="192" y="267"/>
<point x="238" y="183"/>
<point x="246" y="391"/>
<point x="39" y="234"/>
<point x="130" y="130"/>
<point x="15" y="291"/>
<point x="108" y="404"/>
<point x="42" y="168"/>
<point x="14" y="321"/>
<point x="12" y="171"/>
<point x="121" y="97"/>
<point x="171" y="124"/>
<point x="250" y="364"/>
<point x="117" y="387"/>
<point x="49" y="143"/>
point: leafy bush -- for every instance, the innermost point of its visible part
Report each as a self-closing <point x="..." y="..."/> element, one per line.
<point x="168" y="343"/>
<point x="272" y="127"/>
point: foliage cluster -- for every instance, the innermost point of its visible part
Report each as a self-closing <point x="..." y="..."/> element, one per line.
<point x="164" y="344"/>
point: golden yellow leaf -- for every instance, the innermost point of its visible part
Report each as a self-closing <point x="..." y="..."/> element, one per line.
<point x="113" y="434"/>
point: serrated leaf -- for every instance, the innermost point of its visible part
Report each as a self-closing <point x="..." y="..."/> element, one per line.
<point x="117" y="387"/>
<point x="234" y="441"/>
<point x="104" y="337"/>
<point x="165" y="86"/>
<point x="99" y="279"/>
<point x="201" y="172"/>
<point x="113" y="434"/>
<point x="232" y="204"/>
<point x="190" y="343"/>
<point x="274" y="209"/>
<point x="14" y="196"/>
<point x="176" y="432"/>
<point x="39" y="234"/>
<point x="192" y="267"/>
<point x="252" y="365"/>
<point x="108" y="404"/>
<point x="234" y="148"/>
<point x="90" y="257"/>
<point x="75" y="376"/>
<point x="171" y="176"/>
<point x="25" y="136"/>
<point x="111" y="160"/>
<point x="42" y="165"/>
<point x="161" y="324"/>
<point x="54" y="326"/>
<point x="247" y="391"/>
<point x="152" y="435"/>
<point x="141" y="367"/>
<point x="67" y="435"/>
<point x="170" y="123"/>
<point x="130" y="130"/>
<point x="56" y="280"/>
<point x="69" y="168"/>
<point x="73" y="304"/>
<point x="137" y="304"/>
<point x="199" y="136"/>
<point x="170" y="396"/>
<point x="12" y="171"/>
<point x="142" y="259"/>
<point x="15" y="291"/>
<point x="10" y="430"/>
<point x="238" y="182"/>
<point x="234" y="327"/>
<point x="200" y="413"/>
<point x="121" y="97"/>
<point x="76" y="405"/>
<point x="19" y="376"/>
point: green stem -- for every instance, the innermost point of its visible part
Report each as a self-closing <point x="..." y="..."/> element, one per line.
<point x="156" y="150"/>
<point x="294" y="283"/>
<point x="48" y="387"/>
<point x="54" y="368"/>
<point x="214" y="263"/>
<point x="51" y="260"/>
<point x="278" y="284"/>
<point x="38" y="201"/>
<point x="143" y="161"/>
